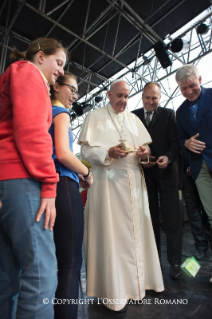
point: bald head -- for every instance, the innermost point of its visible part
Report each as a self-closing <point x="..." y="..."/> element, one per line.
<point x="151" y="96"/>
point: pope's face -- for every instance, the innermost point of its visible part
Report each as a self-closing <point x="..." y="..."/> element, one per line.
<point x="151" y="97"/>
<point x="118" y="96"/>
<point x="191" y="89"/>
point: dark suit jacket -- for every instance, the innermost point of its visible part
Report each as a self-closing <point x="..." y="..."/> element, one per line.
<point x="187" y="129"/>
<point x="163" y="131"/>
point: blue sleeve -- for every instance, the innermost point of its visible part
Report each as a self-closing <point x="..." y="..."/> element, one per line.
<point x="58" y="109"/>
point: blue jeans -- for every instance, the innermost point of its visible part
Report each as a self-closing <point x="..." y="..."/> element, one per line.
<point x="28" y="267"/>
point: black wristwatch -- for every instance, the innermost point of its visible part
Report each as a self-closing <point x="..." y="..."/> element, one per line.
<point x="87" y="174"/>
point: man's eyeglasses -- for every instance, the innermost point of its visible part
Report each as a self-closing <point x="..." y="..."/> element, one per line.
<point x="72" y="89"/>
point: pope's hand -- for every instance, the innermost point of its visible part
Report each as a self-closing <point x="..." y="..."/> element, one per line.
<point x="149" y="164"/>
<point x="143" y="153"/>
<point x="116" y="152"/>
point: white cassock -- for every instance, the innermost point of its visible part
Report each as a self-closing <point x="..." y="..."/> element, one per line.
<point x="120" y="250"/>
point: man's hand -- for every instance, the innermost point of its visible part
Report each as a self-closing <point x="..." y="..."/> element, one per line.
<point x="149" y="164"/>
<point x="195" y="145"/>
<point x="116" y="152"/>
<point x="163" y="162"/>
<point x="188" y="171"/>
<point x="47" y="206"/>
<point x="143" y="153"/>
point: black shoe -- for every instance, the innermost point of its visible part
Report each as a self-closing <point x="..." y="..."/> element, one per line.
<point x="199" y="254"/>
<point x="175" y="271"/>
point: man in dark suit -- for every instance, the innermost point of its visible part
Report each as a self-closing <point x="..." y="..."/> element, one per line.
<point x="161" y="173"/>
<point x="194" y="119"/>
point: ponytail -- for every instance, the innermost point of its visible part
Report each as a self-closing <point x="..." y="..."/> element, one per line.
<point x="16" y="55"/>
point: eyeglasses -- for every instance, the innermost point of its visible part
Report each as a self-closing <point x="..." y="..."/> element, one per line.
<point x="72" y="89"/>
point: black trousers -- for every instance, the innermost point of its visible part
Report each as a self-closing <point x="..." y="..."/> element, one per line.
<point x="198" y="219"/>
<point x="171" y="214"/>
<point x="68" y="236"/>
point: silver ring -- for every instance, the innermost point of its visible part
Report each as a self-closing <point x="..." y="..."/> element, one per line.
<point x="119" y="156"/>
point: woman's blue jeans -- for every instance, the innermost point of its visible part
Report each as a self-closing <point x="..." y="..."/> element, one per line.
<point x="28" y="267"/>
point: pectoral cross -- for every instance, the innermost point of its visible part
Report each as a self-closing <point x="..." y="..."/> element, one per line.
<point x="123" y="146"/>
<point x="122" y="140"/>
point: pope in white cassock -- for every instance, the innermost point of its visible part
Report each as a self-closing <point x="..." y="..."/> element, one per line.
<point x="120" y="251"/>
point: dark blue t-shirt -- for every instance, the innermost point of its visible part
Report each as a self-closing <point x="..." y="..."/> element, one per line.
<point x="60" y="168"/>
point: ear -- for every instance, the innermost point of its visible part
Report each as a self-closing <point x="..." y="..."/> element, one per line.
<point x="200" y="80"/>
<point x="56" y="87"/>
<point x="109" y="94"/>
<point x="40" y="57"/>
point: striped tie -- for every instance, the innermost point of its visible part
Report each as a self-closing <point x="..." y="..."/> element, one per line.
<point x="148" y="114"/>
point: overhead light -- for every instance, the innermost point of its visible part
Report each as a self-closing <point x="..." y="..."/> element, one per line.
<point x="77" y="109"/>
<point x="82" y="108"/>
<point x="86" y="107"/>
<point x="162" y="54"/>
<point x="202" y="28"/>
<point x="98" y="99"/>
<point x="178" y="45"/>
<point x="146" y="60"/>
<point x="73" y="116"/>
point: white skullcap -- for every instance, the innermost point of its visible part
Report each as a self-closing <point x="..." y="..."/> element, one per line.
<point x="116" y="81"/>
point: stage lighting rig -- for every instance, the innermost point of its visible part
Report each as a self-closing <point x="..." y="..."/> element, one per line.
<point x="202" y="29"/>
<point x="80" y="109"/>
<point x="162" y="54"/>
<point x="98" y="99"/>
<point x="178" y="45"/>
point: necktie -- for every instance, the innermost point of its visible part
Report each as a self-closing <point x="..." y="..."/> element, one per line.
<point x="148" y="114"/>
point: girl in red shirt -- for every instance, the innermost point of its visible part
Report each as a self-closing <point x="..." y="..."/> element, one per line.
<point x="28" y="180"/>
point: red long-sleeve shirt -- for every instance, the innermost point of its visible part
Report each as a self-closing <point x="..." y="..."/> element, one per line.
<point x="25" y="118"/>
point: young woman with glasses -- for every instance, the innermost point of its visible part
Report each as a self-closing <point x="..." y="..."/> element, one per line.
<point x="69" y="225"/>
<point x="28" y="179"/>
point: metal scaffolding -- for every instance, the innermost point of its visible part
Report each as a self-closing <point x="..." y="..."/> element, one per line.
<point x="146" y="66"/>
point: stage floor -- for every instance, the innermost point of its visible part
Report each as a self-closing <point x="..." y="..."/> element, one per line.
<point x="194" y="293"/>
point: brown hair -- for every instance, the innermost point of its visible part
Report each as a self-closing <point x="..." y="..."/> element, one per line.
<point x="62" y="79"/>
<point x="49" y="46"/>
